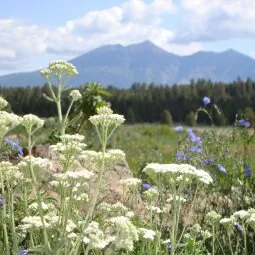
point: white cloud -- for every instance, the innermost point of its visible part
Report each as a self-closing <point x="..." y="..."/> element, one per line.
<point x="131" y="22"/>
<point x="22" y="44"/>
<point x="183" y="49"/>
<point x="205" y="20"/>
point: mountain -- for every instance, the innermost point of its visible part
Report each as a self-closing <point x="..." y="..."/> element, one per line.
<point x="145" y="62"/>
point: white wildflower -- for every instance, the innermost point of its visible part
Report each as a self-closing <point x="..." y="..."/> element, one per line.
<point x="59" y="67"/>
<point x="150" y="195"/>
<point x="125" y="232"/>
<point x="131" y="182"/>
<point x="106" y="118"/>
<point x="94" y="236"/>
<point x="147" y="233"/>
<point x="242" y="214"/>
<point x="212" y="217"/>
<point x="75" y="94"/>
<point x="3" y="103"/>
<point x="30" y="120"/>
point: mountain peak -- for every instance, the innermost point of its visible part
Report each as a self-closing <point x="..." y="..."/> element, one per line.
<point x="146" y="62"/>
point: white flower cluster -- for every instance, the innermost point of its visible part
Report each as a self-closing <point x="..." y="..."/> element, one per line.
<point x="176" y="198"/>
<point x="75" y="94"/>
<point x="156" y="209"/>
<point x="116" y="209"/>
<point x="125" y="233"/>
<point x="72" y="138"/>
<point x="93" y="160"/>
<point x="131" y="182"/>
<point x="8" y="121"/>
<point x="59" y="67"/>
<point x="95" y="237"/>
<point x="228" y="222"/>
<point x="3" y="103"/>
<point x="34" y="206"/>
<point x="212" y="217"/>
<point x="38" y="164"/>
<point x="74" y="175"/>
<point x="242" y="214"/>
<point x="150" y="195"/>
<point x="10" y="173"/>
<point x="174" y="170"/>
<point x="106" y="118"/>
<point x="147" y="234"/>
<point x="30" y="120"/>
<point x="69" y="148"/>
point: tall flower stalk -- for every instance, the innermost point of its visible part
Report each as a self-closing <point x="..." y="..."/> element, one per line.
<point x="61" y="72"/>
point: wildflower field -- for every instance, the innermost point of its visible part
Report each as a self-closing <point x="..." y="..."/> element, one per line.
<point x="189" y="191"/>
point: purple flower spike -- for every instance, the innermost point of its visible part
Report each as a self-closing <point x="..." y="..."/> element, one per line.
<point x="23" y="252"/>
<point x="147" y="186"/>
<point x="196" y="149"/>
<point x="244" y="123"/>
<point x="1" y="201"/>
<point x="247" y="171"/>
<point x="179" y="129"/>
<point x="239" y="226"/>
<point x="206" y="100"/>
<point x="222" y="168"/>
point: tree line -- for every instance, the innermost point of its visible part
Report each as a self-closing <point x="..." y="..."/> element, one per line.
<point x="153" y="103"/>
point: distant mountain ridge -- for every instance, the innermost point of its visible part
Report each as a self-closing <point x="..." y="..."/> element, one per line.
<point x="121" y="66"/>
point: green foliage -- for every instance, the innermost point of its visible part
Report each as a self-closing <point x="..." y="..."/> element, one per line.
<point x="191" y="119"/>
<point x="166" y="118"/>
<point x="93" y="96"/>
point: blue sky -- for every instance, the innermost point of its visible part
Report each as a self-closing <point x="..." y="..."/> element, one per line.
<point x="33" y="32"/>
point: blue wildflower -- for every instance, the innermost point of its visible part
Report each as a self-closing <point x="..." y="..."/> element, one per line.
<point x="206" y="100"/>
<point x="179" y="129"/>
<point x="200" y="234"/>
<point x="222" y="168"/>
<point x="23" y="252"/>
<point x="196" y="139"/>
<point x="244" y="123"/>
<point x="180" y="155"/>
<point x="239" y="226"/>
<point x="247" y="171"/>
<point x="15" y="145"/>
<point x="147" y="186"/>
<point x="207" y="161"/>
<point x="1" y="201"/>
<point x="196" y="149"/>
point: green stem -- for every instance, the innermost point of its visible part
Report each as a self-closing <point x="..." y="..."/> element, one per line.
<point x="213" y="236"/>
<point x="35" y="187"/>
<point x="230" y="245"/>
<point x="6" y="239"/>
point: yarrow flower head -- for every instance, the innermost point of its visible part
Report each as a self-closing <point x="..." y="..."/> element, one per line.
<point x="59" y="67"/>
<point x="3" y="103"/>
<point x="175" y="170"/>
<point x="75" y="95"/>
<point x="206" y="100"/>
<point x="30" y="120"/>
<point x="106" y="118"/>
<point x="131" y="182"/>
<point x="179" y="129"/>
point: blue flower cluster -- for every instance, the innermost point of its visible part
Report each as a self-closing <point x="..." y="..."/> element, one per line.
<point x="244" y="123"/>
<point x="15" y="145"/>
